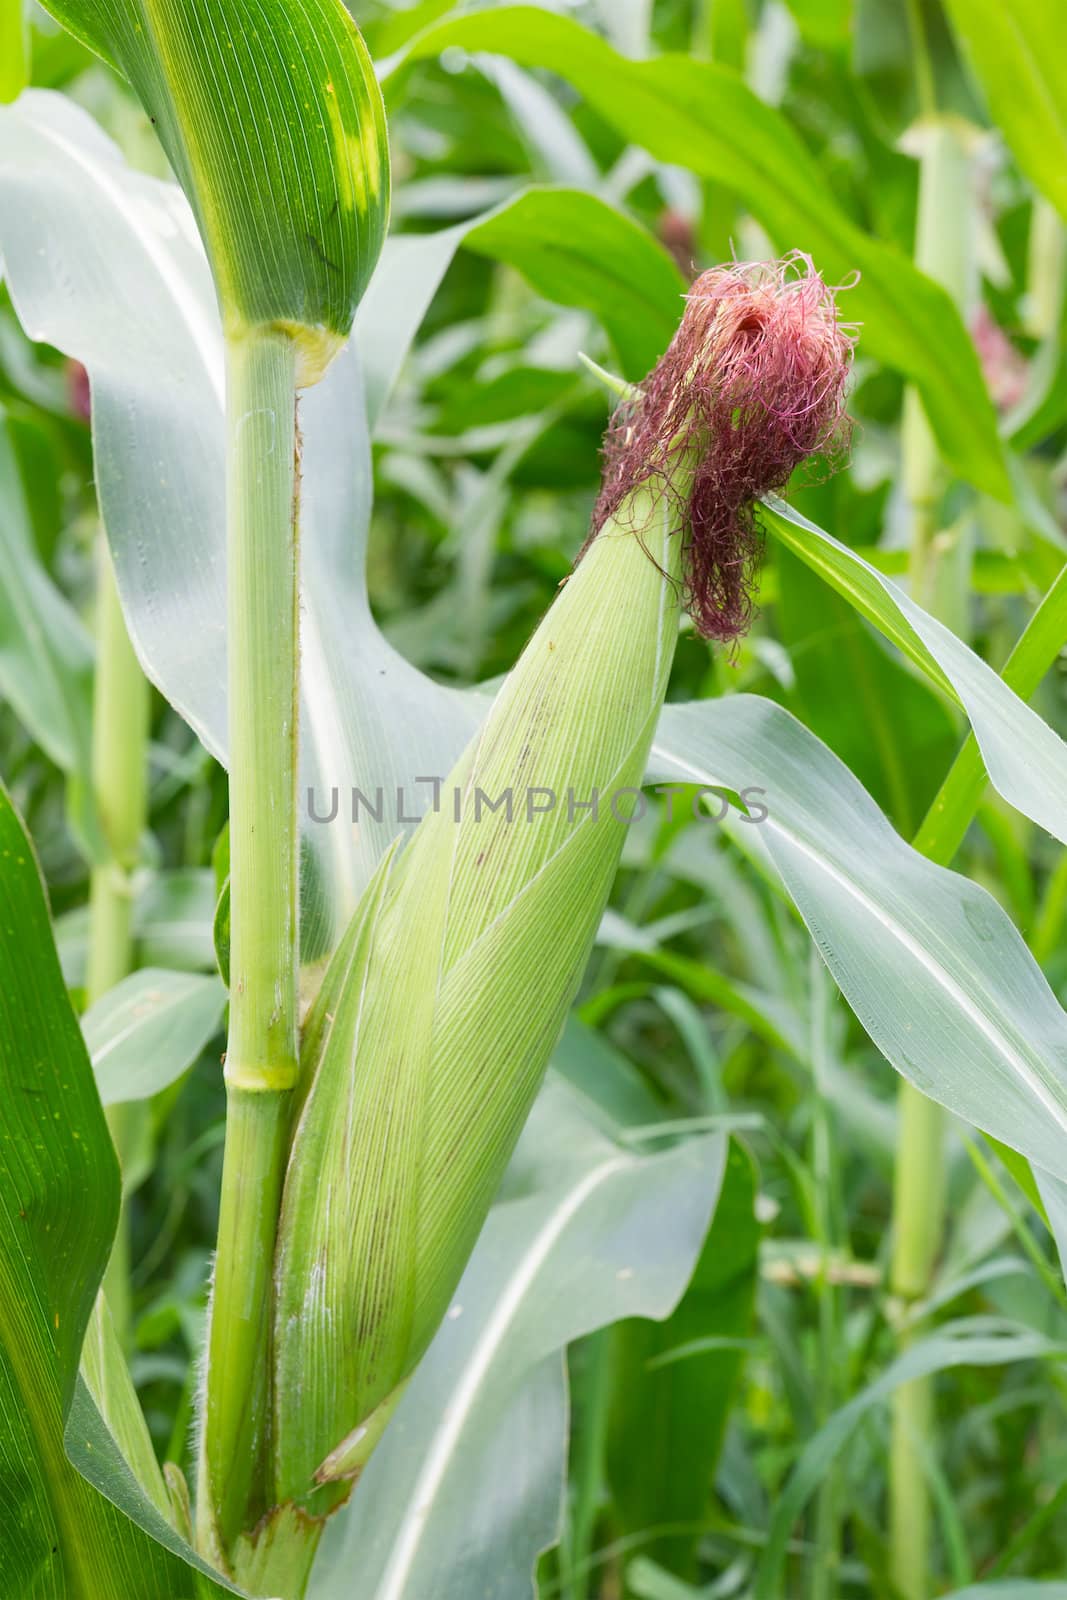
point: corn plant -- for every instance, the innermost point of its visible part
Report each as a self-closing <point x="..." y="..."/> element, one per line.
<point x="435" y="1174"/>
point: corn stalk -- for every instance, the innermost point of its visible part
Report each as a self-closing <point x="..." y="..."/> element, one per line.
<point x="120" y="793"/>
<point x="261" y="1055"/>
<point x="944" y="251"/>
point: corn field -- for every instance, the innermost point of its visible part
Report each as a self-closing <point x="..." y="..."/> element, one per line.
<point x="533" y="900"/>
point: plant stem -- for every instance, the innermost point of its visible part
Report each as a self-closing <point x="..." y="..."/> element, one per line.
<point x="943" y="250"/>
<point x="14" y="49"/>
<point x="827" y="1554"/>
<point x="120" y="789"/>
<point x="261" y="1059"/>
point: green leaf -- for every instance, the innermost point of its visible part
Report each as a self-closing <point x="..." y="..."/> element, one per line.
<point x="704" y="118"/>
<point x="891" y="729"/>
<point x="59" y="1195"/>
<point x="1026" y="760"/>
<point x="149" y="1029"/>
<point x="465" y="1489"/>
<point x="273" y="121"/>
<point x="668" y="1420"/>
<point x="1016" y="50"/>
<point x="932" y="966"/>
<point x="45" y="653"/>
<point x="107" y="1378"/>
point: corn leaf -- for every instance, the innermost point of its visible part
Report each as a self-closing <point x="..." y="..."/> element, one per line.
<point x="668" y="1417"/>
<point x="704" y="118"/>
<point x="466" y="1487"/>
<point x="932" y="966"/>
<point x="893" y="730"/>
<point x="107" y="1378"/>
<point x="1025" y="758"/>
<point x="45" y="652"/>
<point x="59" y="1195"/>
<point x="273" y="122"/>
<point x="1012" y="1589"/>
<point x="149" y="1029"/>
<point x="1016" y="50"/>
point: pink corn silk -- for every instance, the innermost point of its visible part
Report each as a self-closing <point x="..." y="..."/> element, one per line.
<point x="752" y="385"/>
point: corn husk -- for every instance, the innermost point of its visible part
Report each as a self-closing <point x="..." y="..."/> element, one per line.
<point x="442" y="1007"/>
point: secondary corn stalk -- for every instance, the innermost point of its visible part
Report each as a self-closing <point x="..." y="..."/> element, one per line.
<point x="120" y="796"/>
<point x="945" y="251"/>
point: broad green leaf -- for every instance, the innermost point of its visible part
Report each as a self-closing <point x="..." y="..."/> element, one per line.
<point x="891" y="729"/>
<point x="667" y="1421"/>
<point x="647" y="1580"/>
<point x="45" y="652"/>
<point x="977" y="1342"/>
<point x="105" y="265"/>
<point x="1016" y="50"/>
<point x="59" y="1195"/>
<point x="933" y="968"/>
<point x="149" y="1029"/>
<point x="172" y="920"/>
<point x="273" y="121"/>
<point x="465" y="1489"/>
<point x="704" y="118"/>
<point x="1026" y="760"/>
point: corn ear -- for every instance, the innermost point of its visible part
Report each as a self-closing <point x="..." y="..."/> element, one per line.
<point x="447" y="996"/>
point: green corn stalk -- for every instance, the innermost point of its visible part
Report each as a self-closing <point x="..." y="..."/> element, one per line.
<point x="944" y="249"/>
<point x="273" y="121"/>
<point x="121" y="705"/>
<point x="438" y="1015"/>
